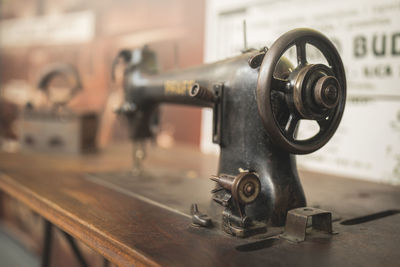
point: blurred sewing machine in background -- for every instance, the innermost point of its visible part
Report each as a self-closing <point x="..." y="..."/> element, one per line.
<point x="53" y="127"/>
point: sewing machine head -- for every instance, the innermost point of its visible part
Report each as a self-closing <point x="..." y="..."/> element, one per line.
<point x="258" y="99"/>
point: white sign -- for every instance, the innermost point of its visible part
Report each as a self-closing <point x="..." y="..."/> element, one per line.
<point x="65" y="29"/>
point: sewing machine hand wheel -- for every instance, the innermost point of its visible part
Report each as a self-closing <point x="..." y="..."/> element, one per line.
<point x="311" y="91"/>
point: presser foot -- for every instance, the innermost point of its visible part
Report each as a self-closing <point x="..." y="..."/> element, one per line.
<point x="241" y="225"/>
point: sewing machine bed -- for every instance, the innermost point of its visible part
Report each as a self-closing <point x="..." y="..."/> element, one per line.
<point x="145" y="220"/>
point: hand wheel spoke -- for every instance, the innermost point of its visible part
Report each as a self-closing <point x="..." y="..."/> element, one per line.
<point x="278" y="84"/>
<point x="291" y="126"/>
<point x="323" y="124"/>
<point x="301" y="52"/>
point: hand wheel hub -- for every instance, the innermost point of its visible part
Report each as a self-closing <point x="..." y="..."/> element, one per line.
<point x="315" y="92"/>
<point x="326" y="92"/>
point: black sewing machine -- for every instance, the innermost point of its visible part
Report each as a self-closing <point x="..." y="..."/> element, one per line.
<point x="258" y="99"/>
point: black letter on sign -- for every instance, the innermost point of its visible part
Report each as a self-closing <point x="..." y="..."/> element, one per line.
<point x="383" y="46"/>
<point x="396" y="44"/>
<point x="360" y="46"/>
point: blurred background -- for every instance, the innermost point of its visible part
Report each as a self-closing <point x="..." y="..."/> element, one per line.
<point x="88" y="34"/>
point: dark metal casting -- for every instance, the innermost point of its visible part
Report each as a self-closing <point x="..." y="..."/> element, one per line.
<point x="258" y="99"/>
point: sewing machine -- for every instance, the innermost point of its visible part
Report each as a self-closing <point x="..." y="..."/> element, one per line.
<point x="161" y="212"/>
<point x="258" y="99"/>
<point x="55" y="128"/>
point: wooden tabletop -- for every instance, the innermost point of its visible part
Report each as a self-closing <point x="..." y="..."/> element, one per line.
<point x="145" y="222"/>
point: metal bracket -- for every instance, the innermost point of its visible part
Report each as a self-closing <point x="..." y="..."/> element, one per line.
<point x="297" y="222"/>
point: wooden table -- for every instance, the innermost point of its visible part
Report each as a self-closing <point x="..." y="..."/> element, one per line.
<point x="146" y="222"/>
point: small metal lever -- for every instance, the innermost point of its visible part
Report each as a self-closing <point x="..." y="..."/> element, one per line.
<point x="199" y="218"/>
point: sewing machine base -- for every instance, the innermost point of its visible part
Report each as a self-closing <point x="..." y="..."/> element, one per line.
<point x="176" y="191"/>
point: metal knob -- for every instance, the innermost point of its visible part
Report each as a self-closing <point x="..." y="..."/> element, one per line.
<point x="326" y="92"/>
<point x="244" y="187"/>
